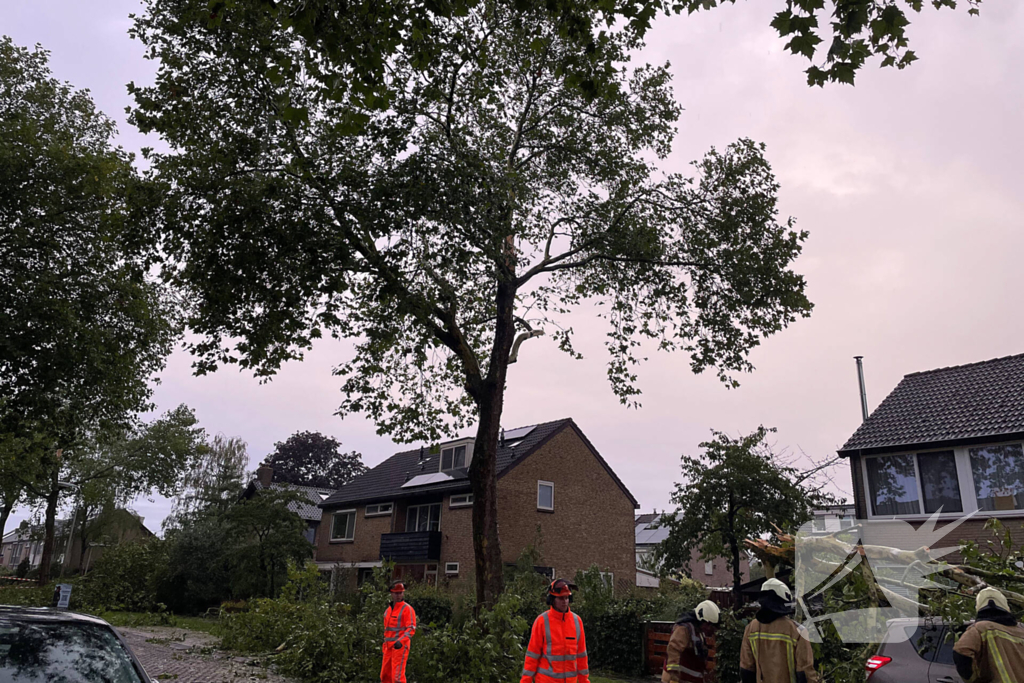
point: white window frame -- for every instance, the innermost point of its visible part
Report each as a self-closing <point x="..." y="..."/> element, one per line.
<point x="343" y="512"/>
<point x="968" y="496"/>
<point x="378" y="512"/>
<point x="461" y="500"/>
<point x="417" y="507"/>
<point x="451" y="568"/>
<point x="552" y="485"/>
<point x="709" y="567"/>
<point x="608" y="578"/>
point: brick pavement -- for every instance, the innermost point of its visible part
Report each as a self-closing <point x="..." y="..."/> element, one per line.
<point x="184" y="656"/>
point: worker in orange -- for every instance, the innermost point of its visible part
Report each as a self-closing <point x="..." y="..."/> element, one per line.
<point x="558" y="649"/>
<point x="399" y="627"/>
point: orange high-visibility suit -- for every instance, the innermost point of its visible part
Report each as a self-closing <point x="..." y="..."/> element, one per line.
<point x="399" y="626"/>
<point x="558" y="650"/>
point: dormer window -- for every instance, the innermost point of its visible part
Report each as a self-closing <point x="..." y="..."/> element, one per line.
<point x="453" y="458"/>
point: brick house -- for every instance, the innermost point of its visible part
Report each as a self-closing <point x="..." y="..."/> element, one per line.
<point x="555" y="493"/>
<point x="714" y="573"/>
<point x="307" y="506"/>
<point x="949" y="441"/>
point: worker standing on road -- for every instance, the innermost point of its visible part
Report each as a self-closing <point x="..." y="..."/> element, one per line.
<point x="558" y="649"/>
<point x="775" y="648"/>
<point x="691" y="649"/>
<point x="399" y="627"/>
<point x="991" y="650"/>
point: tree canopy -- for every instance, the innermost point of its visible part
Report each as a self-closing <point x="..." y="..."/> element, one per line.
<point x="490" y="198"/>
<point x="312" y="459"/>
<point x="737" y="489"/>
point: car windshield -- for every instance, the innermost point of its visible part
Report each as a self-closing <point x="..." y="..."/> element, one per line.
<point x="62" y="652"/>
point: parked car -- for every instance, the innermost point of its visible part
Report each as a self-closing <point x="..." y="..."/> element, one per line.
<point x="54" y="646"/>
<point x="914" y="651"/>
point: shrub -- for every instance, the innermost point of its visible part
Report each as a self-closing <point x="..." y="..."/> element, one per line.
<point x="433" y="606"/>
<point x="123" y="579"/>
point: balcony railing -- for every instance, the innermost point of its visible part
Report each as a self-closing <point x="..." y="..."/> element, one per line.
<point x="411" y="546"/>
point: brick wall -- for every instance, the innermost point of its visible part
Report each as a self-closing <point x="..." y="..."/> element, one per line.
<point x="592" y="521"/>
<point x="365" y="546"/>
<point x="721" y="575"/>
<point x="457" y="545"/>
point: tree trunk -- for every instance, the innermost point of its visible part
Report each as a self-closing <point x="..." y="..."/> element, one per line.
<point x="737" y="577"/>
<point x="483" y="471"/>
<point x="83" y="538"/>
<point x="51" y="517"/>
<point x="5" y="514"/>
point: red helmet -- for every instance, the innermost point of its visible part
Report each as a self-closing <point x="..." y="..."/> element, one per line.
<point x="398" y="587"/>
<point x="560" y="588"/>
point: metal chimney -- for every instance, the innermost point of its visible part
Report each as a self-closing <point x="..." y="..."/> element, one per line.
<point x="863" y="391"/>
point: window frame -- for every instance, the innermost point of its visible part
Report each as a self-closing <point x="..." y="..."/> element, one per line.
<point x="379" y="512"/>
<point x="334" y="516"/>
<point x="709" y="567"/>
<point x="541" y="508"/>
<point x="608" y="578"/>
<point x="417" y="507"/>
<point x="965" y="477"/>
<point x="449" y="571"/>
<point x="465" y="503"/>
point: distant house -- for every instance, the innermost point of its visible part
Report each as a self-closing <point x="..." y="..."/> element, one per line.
<point x="555" y="493"/>
<point x="307" y="507"/>
<point x="947" y="441"/>
<point x="714" y="572"/>
<point x="108" y="529"/>
<point x="833" y="518"/>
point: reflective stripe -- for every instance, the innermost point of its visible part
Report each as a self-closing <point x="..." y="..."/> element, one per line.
<point x="532" y="654"/>
<point x="673" y="667"/>
<point x="553" y="674"/>
<point x="790" y="642"/>
<point x="547" y="632"/>
<point x="528" y="674"/>
<point x="583" y="672"/>
<point x="990" y="637"/>
<point x="581" y="654"/>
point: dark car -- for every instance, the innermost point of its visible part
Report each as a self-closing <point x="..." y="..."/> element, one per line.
<point x="914" y="651"/>
<point x="55" y="646"/>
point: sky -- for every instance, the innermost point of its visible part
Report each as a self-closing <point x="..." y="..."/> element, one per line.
<point x="909" y="184"/>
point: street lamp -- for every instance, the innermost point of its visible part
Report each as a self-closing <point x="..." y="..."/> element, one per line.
<point x="71" y="529"/>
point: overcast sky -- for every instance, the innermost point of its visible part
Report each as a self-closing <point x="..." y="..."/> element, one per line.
<point x="910" y="184"/>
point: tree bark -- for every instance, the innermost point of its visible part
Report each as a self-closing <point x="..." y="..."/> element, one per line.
<point x="483" y="472"/>
<point x="51" y="517"/>
<point x="5" y="514"/>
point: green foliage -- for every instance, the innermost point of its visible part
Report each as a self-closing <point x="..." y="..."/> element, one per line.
<point x="312" y="459"/>
<point x="433" y="605"/>
<point x="736" y="490"/>
<point x="124" y="578"/>
<point x="197" y="574"/>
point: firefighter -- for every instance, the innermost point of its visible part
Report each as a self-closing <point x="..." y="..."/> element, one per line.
<point x="557" y="651"/>
<point x="691" y="649"/>
<point x="399" y="627"/>
<point x="775" y="648"/>
<point x="991" y="650"/>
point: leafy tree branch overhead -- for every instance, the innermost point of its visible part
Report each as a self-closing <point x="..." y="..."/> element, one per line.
<point x="492" y="197"/>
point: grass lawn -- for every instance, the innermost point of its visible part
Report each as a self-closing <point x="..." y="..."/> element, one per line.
<point x="137" y="619"/>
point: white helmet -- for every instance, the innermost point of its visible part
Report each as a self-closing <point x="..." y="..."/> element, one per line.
<point x="779" y="588"/>
<point x="991" y="594"/>
<point x="707" y="611"/>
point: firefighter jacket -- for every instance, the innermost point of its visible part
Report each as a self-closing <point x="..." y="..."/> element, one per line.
<point x="557" y="651"/>
<point x="399" y="624"/>
<point x="691" y="654"/>
<point x="996" y="651"/>
<point x="775" y="649"/>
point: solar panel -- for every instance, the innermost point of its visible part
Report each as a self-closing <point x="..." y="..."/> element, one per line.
<point x="517" y="434"/>
<point x="424" y="479"/>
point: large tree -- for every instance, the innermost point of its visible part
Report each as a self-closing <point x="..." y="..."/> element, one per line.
<point x="735" y="490"/>
<point x="490" y="198"/>
<point x="213" y="484"/>
<point x="84" y="328"/>
<point x="312" y="459"/>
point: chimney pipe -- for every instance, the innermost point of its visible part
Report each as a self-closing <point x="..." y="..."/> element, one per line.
<point x="863" y="391"/>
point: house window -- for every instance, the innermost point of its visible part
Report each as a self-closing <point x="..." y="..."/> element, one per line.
<point x="378" y="509"/>
<point x="343" y="525"/>
<point x="846" y="523"/>
<point x="893" y="483"/>
<point x="423" y="518"/>
<point x="453" y="458"/>
<point x="609" y="579"/>
<point x="819" y="523"/>
<point x="998" y="476"/>
<point x="709" y="568"/>
<point x="546" y="572"/>
<point x="899" y="482"/>
<point x="451" y="568"/>
<point x="461" y="500"/>
<point x="545" y="495"/>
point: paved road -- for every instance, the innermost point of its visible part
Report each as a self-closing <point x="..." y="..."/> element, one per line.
<point x="183" y="656"/>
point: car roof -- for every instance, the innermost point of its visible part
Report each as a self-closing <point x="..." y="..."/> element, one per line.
<point x="47" y="614"/>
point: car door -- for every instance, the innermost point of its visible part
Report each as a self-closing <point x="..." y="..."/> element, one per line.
<point x="942" y="669"/>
